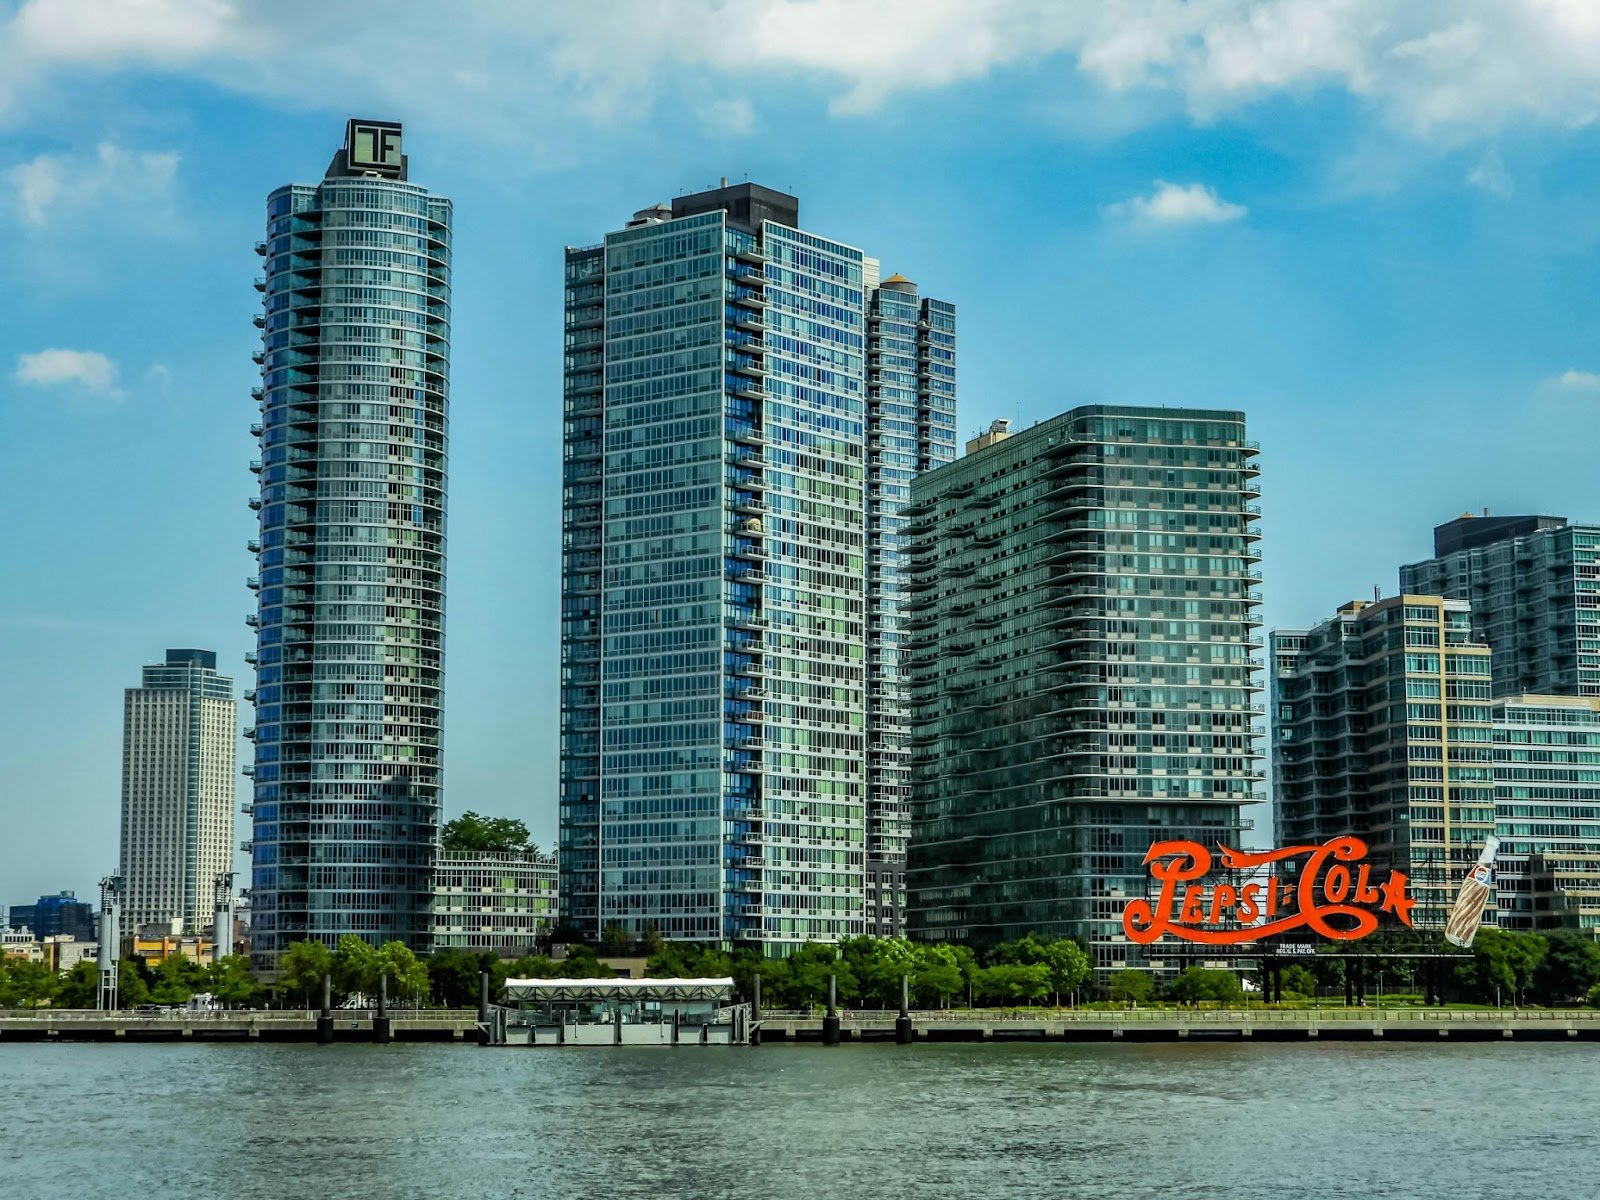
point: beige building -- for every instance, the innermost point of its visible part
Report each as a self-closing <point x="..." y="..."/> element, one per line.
<point x="179" y="731"/>
<point x="1382" y="728"/>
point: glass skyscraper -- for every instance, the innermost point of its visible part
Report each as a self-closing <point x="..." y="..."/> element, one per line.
<point x="732" y="476"/>
<point x="1082" y="651"/>
<point x="350" y="644"/>
<point x="1534" y="585"/>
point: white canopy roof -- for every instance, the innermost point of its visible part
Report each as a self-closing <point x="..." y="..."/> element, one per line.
<point x="619" y="989"/>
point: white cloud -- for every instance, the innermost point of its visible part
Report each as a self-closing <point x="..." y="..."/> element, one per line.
<point x="87" y="369"/>
<point x="54" y="189"/>
<point x="1445" y="70"/>
<point x="1176" y="204"/>
<point x="1574" y="381"/>
<point x="1491" y="175"/>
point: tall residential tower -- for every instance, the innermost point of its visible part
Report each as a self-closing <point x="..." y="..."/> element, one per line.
<point x="1082" y="645"/>
<point x="1381" y="728"/>
<point x="350" y="644"/>
<point x="179" y="729"/>
<point x="1534" y="586"/>
<point x="745" y="407"/>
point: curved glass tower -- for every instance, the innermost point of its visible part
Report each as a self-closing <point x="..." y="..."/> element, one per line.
<point x="350" y="644"/>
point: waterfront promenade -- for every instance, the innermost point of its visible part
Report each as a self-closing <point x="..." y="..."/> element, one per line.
<point x="959" y="1025"/>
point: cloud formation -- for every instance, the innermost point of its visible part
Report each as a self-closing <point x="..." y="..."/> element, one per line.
<point x="1449" y="70"/>
<point x="1574" y="381"/>
<point x="1176" y="204"/>
<point x="87" y="369"/>
<point x="56" y="188"/>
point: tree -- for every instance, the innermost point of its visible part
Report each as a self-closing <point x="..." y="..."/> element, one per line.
<point x="453" y="975"/>
<point x="583" y="963"/>
<point x="176" y="979"/>
<point x="79" y="987"/>
<point x="31" y="982"/>
<point x="355" y="967"/>
<point x="809" y="968"/>
<point x="1196" y="984"/>
<point x="877" y="965"/>
<point x="302" y="967"/>
<point x="132" y="990"/>
<point x="1298" y="981"/>
<point x="1570" y="968"/>
<point x="936" y="975"/>
<point x="232" y="982"/>
<point x="1132" y="986"/>
<point x="616" y="940"/>
<point x="1502" y="965"/>
<point x="408" y="977"/>
<point x="472" y="833"/>
<point x="1013" y="983"/>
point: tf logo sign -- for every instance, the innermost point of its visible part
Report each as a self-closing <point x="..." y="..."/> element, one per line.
<point x="375" y="146"/>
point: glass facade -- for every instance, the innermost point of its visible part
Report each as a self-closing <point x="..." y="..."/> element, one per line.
<point x="350" y="643"/>
<point x="911" y="406"/>
<point x="1081" y="653"/>
<point x="715" y="549"/>
<point x="1534" y="586"/>
<point x="1382" y="728"/>
<point x="1547" y="810"/>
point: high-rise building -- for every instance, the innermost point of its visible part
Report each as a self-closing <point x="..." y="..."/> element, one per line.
<point x="350" y="643"/>
<point x="1381" y="728"/>
<point x="1547" y="806"/>
<point x="179" y="730"/>
<point x="1082" y="650"/>
<point x="736" y="453"/>
<point x="1534" y="585"/>
<point x="497" y="900"/>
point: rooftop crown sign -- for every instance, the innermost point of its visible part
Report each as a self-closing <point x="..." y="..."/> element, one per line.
<point x="1332" y="882"/>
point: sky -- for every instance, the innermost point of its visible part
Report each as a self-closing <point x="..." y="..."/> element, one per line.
<point x="1372" y="227"/>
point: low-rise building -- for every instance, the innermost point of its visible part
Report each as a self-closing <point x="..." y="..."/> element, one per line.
<point x="61" y="952"/>
<point x="19" y="944"/>
<point x="497" y="900"/>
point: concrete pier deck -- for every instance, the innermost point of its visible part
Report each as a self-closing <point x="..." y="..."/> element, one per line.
<point x="1139" y="1025"/>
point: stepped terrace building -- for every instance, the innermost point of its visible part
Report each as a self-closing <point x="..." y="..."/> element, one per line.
<point x="1083" y="659"/>
<point x="745" y="406"/>
<point x="1382" y="728"/>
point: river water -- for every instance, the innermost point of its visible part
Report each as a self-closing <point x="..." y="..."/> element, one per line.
<point x="280" y="1122"/>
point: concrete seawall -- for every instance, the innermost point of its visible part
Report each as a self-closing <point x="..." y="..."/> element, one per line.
<point x="857" y="1027"/>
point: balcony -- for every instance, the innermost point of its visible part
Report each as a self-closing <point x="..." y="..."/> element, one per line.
<point x="253" y="582"/>
<point x="252" y="620"/>
<point x="259" y="283"/>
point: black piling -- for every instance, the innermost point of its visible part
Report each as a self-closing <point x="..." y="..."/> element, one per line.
<point x="902" y="1023"/>
<point x="830" y="1023"/>
<point x="325" y="1017"/>
<point x="382" y="1032"/>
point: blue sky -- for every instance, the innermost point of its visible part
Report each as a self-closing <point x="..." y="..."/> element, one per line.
<point x="1374" y="230"/>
